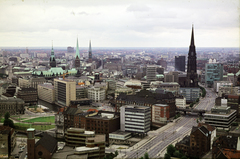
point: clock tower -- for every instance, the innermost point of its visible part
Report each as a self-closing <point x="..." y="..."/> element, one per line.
<point x="192" y="77"/>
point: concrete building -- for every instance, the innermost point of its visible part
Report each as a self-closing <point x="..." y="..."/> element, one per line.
<point x="59" y="123"/>
<point x="190" y="93"/>
<point x="151" y="73"/>
<point x="135" y="119"/>
<point x="226" y="89"/>
<point x="180" y="63"/>
<point x="94" y="149"/>
<point x="213" y="72"/>
<point x="77" y="136"/>
<point x="46" y="92"/>
<point x="7" y="141"/>
<point x="221" y="117"/>
<point x="168" y="78"/>
<point x="12" y="105"/>
<point x="28" y="95"/>
<point x="31" y="82"/>
<point x="81" y="91"/>
<point x="217" y="84"/>
<point x="170" y="86"/>
<point x="181" y="102"/>
<point x="160" y="113"/>
<point x="97" y="94"/>
<point x="65" y="91"/>
<point x="125" y="90"/>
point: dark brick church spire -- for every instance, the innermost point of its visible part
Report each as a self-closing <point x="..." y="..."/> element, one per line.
<point x="192" y="78"/>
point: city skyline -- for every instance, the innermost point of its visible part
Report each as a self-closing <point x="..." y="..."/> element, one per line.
<point x="119" y="24"/>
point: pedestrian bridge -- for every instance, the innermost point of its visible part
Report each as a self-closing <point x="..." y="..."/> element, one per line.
<point x="199" y="111"/>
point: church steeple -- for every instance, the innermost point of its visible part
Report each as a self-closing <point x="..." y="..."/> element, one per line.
<point x="192" y="38"/>
<point x="77" y="57"/>
<point x="90" y="52"/>
<point x="192" y="79"/>
<point x="77" y="51"/>
<point x="52" y="58"/>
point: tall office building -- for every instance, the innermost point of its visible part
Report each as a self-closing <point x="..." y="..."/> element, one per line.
<point x="135" y="119"/>
<point x="65" y="91"/>
<point x="180" y="63"/>
<point x="192" y="78"/>
<point x="213" y="72"/>
<point x="90" y="52"/>
<point x="77" y="57"/>
<point x="151" y="73"/>
<point x="52" y="59"/>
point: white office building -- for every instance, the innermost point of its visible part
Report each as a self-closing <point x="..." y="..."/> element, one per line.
<point x="135" y="119"/>
<point x="97" y="94"/>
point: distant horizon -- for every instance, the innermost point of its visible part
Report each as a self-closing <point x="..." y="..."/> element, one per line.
<point x="86" y="47"/>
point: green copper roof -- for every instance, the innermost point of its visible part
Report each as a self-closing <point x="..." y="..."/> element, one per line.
<point x="77" y="50"/>
<point x="52" y="53"/>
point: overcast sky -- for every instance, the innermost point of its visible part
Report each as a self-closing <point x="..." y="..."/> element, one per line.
<point x="119" y="23"/>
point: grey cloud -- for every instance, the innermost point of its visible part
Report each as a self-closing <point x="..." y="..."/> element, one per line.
<point x="138" y="8"/>
<point x="83" y="13"/>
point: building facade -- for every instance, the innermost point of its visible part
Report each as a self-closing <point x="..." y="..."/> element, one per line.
<point x="7" y="141"/>
<point x="213" y="72"/>
<point x="12" y="105"/>
<point x="65" y="91"/>
<point x="31" y="82"/>
<point x="97" y="94"/>
<point x="151" y="73"/>
<point x="180" y="63"/>
<point x="221" y="117"/>
<point x="135" y="119"/>
<point x="28" y="95"/>
<point x="46" y="92"/>
<point x="160" y="113"/>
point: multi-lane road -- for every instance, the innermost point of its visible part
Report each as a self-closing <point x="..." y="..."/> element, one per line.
<point x="175" y="133"/>
<point x="208" y="102"/>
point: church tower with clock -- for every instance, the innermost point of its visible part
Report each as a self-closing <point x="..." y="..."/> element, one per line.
<point x="192" y="77"/>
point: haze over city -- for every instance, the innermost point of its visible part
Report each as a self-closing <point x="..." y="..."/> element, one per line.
<point x="119" y="23"/>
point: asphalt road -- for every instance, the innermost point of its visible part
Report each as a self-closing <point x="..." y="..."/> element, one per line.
<point x="175" y="133"/>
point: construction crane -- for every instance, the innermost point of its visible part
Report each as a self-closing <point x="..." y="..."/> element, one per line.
<point x="64" y="75"/>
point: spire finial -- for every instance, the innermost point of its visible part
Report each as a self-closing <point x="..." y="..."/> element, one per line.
<point x="52" y="44"/>
<point x="192" y="38"/>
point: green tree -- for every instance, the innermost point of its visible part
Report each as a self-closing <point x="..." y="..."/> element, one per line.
<point x="171" y="149"/>
<point x="167" y="156"/>
<point x="7" y="121"/>
<point x="184" y="157"/>
<point x="141" y="158"/>
<point x="7" y="115"/>
<point x="146" y="156"/>
<point x="116" y="153"/>
<point x="177" y="154"/>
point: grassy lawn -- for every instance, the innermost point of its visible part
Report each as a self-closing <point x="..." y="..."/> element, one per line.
<point x="22" y="126"/>
<point x="50" y="119"/>
<point x="2" y="120"/>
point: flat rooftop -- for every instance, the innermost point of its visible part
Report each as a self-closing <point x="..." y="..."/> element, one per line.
<point x="98" y="138"/>
<point x="118" y="132"/>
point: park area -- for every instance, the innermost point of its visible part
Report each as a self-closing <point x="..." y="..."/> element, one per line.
<point x="49" y="119"/>
<point x="39" y="123"/>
